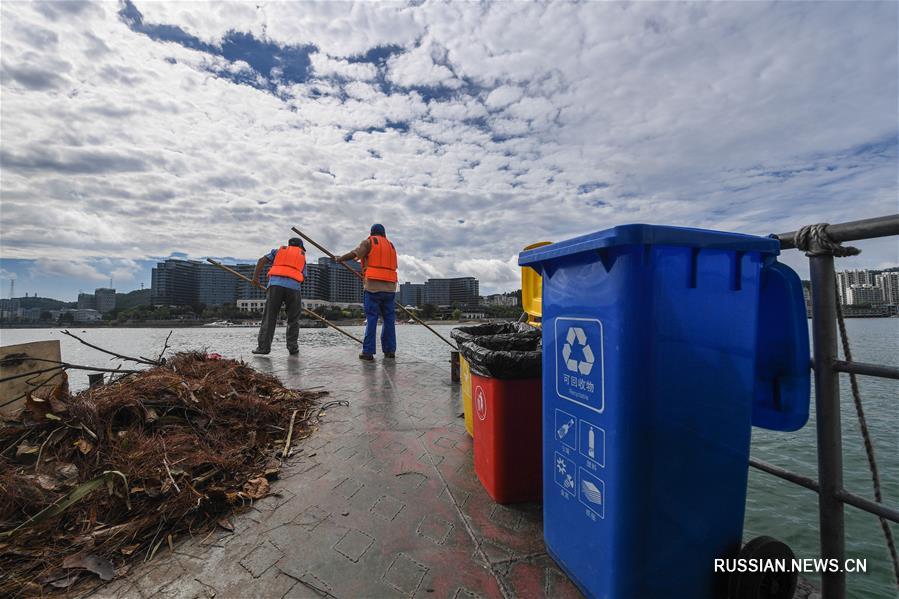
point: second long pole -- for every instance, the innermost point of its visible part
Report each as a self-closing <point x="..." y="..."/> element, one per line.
<point x="359" y="275"/>
<point x="306" y="310"/>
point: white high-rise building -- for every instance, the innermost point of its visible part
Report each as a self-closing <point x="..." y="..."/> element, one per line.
<point x="847" y="278"/>
<point x="864" y="295"/>
<point x="889" y="285"/>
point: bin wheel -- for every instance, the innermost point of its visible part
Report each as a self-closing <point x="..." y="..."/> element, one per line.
<point x="764" y="585"/>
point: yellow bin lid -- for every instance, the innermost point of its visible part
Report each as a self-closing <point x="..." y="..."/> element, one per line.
<point x="532" y="289"/>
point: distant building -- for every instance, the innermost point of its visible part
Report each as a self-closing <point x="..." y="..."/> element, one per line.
<point x="251" y="305"/>
<point x="104" y="300"/>
<point x="10" y="308"/>
<point x="316" y="287"/>
<point x="889" y="285"/>
<point x="246" y="291"/>
<point x="327" y="284"/>
<point x="78" y="314"/>
<point x="460" y="291"/>
<point x="473" y="315"/>
<point x="847" y="278"/>
<point x="412" y="294"/>
<point x="189" y="282"/>
<point x="175" y="283"/>
<point x="32" y="314"/>
<point x="864" y="295"/>
<point x="87" y="301"/>
<point x="500" y="299"/>
<point x="343" y="286"/>
<point x="215" y="287"/>
<point x="807" y="295"/>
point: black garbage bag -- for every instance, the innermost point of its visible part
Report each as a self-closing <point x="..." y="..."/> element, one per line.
<point x="487" y="329"/>
<point x="515" y="353"/>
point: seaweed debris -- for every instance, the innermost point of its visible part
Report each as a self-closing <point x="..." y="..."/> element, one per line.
<point x="92" y="481"/>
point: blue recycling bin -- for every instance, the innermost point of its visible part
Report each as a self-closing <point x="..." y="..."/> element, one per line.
<point x="662" y="346"/>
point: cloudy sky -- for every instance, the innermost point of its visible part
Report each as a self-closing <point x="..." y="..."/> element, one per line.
<point x="139" y="130"/>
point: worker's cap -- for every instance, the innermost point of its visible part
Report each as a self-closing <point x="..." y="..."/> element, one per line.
<point x="297" y="242"/>
<point x="378" y="229"/>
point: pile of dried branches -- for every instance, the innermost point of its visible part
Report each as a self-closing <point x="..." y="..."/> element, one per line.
<point x="91" y="481"/>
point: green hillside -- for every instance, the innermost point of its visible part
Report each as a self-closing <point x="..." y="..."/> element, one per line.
<point x="126" y="301"/>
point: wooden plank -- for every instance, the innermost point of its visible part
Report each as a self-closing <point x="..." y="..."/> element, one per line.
<point x="16" y="390"/>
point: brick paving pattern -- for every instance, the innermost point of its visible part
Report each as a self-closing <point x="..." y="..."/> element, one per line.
<point x="381" y="501"/>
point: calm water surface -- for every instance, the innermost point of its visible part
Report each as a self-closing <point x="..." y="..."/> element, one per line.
<point x="773" y="507"/>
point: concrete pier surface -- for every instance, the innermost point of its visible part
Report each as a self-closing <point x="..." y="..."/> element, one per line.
<point x="381" y="501"/>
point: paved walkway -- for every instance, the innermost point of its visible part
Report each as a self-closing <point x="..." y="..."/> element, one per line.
<point x="381" y="501"/>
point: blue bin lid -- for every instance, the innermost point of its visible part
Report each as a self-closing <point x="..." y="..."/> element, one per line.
<point x="650" y="235"/>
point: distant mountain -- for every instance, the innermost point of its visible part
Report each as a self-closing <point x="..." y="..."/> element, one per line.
<point x="126" y="301"/>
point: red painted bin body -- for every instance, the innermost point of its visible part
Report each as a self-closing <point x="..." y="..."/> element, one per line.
<point x="508" y="437"/>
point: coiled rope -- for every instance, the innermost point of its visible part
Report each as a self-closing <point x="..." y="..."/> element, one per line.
<point x="814" y="241"/>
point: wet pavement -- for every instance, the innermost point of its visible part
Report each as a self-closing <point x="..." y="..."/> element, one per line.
<point x="381" y="501"/>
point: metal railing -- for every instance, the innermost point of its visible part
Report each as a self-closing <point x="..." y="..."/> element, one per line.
<point x="827" y="367"/>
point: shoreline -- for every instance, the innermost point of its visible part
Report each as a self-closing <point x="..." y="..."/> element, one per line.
<point x="179" y="324"/>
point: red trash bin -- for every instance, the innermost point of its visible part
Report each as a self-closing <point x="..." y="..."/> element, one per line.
<point x="507" y="437"/>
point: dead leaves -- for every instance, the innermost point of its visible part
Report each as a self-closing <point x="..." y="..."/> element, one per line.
<point x="48" y="400"/>
<point x="226" y="524"/>
<point x="126" y="468"/>
<point x="256" y="488"/>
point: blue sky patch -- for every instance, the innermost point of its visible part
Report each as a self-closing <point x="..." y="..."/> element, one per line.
<point x="277" y="64"/>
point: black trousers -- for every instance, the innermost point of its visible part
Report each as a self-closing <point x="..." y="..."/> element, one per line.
<point x="278" y="295"/>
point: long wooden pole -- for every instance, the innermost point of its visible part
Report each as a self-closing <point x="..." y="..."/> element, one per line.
<point x="306" y="310"/>
<point x="358" y="274"/>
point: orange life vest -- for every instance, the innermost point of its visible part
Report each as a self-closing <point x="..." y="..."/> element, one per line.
<point x="289" y="262"/>
<point x="380" y="264"/>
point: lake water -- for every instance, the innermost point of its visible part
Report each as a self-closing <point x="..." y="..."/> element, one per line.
<point x="773" y="507"/>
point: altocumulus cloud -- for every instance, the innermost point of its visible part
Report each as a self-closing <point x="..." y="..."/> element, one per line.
<point x="141" y="129"/>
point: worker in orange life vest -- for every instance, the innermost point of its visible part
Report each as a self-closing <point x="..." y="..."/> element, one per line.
<point x="288" y="270"/>
<point x="378" y="257"/>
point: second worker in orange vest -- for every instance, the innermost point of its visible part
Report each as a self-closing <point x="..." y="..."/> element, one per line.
<point x="378" y="257"/>
<point x="288" y="270"/>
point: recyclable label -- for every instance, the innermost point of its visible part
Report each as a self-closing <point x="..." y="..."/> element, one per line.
<point x="592" y="492"/>
<point x="566" y="429"/>
<point x="579" y="362"/>
<point x="593" y="443"/>
<point x="565" y="473"/>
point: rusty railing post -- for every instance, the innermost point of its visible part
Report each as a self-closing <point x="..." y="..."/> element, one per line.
<point x="828" y="422"/>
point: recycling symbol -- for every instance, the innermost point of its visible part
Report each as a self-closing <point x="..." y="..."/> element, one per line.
<point x="577" y="336"/>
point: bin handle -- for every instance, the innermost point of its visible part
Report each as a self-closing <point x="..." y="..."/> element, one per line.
<point x="783" y="379"/>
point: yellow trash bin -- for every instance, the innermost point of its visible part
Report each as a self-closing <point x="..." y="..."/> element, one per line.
<point x="465" y="377"/>
<point x="532" y="290"/>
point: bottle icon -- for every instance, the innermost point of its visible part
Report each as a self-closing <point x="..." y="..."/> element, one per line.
<point x="591" y="447"/>
<point x="563" y="430"/>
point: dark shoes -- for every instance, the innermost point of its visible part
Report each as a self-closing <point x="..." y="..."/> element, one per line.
<point x="265" y="352"/>
<point x="389" y="355"/>
<point x="366" y="357"/>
